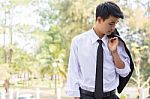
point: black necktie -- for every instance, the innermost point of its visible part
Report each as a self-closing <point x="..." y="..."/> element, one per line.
<point x="99" y="72"/>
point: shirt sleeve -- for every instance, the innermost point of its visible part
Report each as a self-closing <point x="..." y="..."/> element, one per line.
<point x="73" y="74"/>
<point x="125" y="58"/>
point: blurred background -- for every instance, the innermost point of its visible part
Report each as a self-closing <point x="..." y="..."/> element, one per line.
<point x="35" y="37"/>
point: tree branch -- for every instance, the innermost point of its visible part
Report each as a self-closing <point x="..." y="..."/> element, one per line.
<point x="146" y="82"/>
<point x="133" y="79"/>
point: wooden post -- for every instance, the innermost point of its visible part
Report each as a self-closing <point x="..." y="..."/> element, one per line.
<point x="10" y="93"/>
<point x="3" y="94"/>
<point x="37" y="93"/>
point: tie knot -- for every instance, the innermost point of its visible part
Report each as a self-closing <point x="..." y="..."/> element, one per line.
<point x="99" y="41"/>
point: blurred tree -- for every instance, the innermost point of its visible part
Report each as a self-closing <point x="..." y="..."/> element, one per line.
<point x="74" y="17"/>
<point x="137" y="38"/>
<point x="64" y="20"/>
<point x="61" y="20"/>
<point x="19" y="61"/>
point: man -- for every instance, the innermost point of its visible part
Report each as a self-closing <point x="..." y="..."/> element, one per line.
<point x="83" y="81"/>
<point x="6" y="85"/>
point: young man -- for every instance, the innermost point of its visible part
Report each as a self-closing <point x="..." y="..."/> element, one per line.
<point x="84" y="60"/>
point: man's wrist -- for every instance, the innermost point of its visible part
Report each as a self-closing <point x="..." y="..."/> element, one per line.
<point x="76" y="97"/>
<point x="114" y="52"/>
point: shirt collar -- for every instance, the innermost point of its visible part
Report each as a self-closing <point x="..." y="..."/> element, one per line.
<point x="94" y="37"/>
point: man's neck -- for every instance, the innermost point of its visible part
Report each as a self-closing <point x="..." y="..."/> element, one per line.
<point x="98" y="33"/>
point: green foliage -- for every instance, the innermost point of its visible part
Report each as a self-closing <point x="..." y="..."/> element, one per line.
<point x="61" y="20"/>
<point x="20" y="2"/>
<point x="1" y="55"/>
<point x="68" y="18"/>
<point x="21" y="61"/>
<point x="123" y="96"/>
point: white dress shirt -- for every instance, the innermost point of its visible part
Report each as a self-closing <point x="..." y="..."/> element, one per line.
<point x="82" y="64"/>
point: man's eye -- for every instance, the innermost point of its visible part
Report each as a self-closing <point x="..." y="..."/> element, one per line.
<point x="112" y="24"/>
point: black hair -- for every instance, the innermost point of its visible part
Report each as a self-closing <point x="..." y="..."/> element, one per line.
<point x="107" y="9"/>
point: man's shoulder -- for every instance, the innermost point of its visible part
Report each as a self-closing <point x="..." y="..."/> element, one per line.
<point x="82" y="36"/>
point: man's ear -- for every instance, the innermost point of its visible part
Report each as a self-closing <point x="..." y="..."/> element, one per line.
<point x="99" y="19"/>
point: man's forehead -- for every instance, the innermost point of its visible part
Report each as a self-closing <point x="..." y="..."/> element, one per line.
<point x="113" y="19"/>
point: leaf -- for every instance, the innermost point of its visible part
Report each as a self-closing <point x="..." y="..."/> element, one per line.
<point x="20" y="2"/>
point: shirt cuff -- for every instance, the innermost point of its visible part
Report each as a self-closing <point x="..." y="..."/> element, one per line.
<point x="73" y="93"/>
<point x="125" y="71"/>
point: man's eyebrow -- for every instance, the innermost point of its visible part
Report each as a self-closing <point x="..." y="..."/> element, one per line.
<point x="112" y="22"/>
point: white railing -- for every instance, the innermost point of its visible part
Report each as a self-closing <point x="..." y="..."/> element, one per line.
<point x="15" y="94"/>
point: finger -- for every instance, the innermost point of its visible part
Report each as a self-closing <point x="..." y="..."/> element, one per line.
<point x="114" y="38"/>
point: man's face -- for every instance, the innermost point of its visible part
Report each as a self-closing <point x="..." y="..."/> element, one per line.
<point x="108" y="25"/>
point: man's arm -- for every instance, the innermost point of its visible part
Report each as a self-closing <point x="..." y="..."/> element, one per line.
<point x="73" y="73"/>
<point x="120" y="57"/>
<point x="112" y="45"/>
<point x="117" y="60"/>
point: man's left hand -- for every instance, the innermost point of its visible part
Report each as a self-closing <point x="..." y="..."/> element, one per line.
<point x="113" y="43"/>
